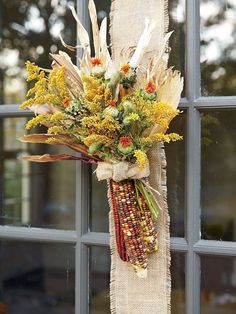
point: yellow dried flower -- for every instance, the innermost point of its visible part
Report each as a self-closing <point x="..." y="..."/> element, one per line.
<point x="57" y="117"/>
<point x="33" y="71"/>
<point x="141" y="158"/>
<point x="98" y="139"/>
<point x="94" y="93"/>
<point x="27" y="103"/>
<point x="160" y="137"/>
<point x="95" y="124"/>
<point x="133" y="116"/>
<point x="41" y="119"/>
<point x="40" y="87"/>
<point x="57" y="81"/>
<point x="107" y="95"/>
<point x="57" y="130"/>
<point x="161" y="113"/>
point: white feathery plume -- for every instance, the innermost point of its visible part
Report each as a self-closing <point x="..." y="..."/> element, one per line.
<point x="143" y="43"/>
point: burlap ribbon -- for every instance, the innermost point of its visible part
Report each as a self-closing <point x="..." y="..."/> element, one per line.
<point x="121" y="171"/>
<point x="128" y="293"/>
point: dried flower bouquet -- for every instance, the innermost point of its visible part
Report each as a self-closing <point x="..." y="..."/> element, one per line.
<point x="111" y="112"/>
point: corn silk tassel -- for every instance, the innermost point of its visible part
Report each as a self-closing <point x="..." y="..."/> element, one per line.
<point x="135" y="230"/>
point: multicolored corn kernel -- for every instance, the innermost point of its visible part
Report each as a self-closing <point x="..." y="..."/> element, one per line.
<point x="148" y="226"/>
<point x="123" y="194"/>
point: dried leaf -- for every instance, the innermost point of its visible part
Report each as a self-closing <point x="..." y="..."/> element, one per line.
<point x="52" y="158"/>
<point x="93" y="18"/>
<point x="104" y="52"/>
<point x="56" y="139"/>
<point x="81" y="32"/>
<point x="70" y="69"/>
<point x="143" y="43"/>
<point x="158" y="58"/>
<point x="170" y="91"/>
<point x="69" y="47"/>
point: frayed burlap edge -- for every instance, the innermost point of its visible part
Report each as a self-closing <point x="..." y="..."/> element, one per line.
<point x="128" y="293"/>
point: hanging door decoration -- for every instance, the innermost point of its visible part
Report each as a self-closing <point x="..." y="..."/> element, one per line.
<point x="115" y="109"/>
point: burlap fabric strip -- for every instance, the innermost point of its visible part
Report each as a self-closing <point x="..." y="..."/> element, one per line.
<point x="128" y="293"/>
<point x="121" y="171"/>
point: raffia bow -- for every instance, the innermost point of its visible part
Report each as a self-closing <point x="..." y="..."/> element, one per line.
<point x="121" y="171"/>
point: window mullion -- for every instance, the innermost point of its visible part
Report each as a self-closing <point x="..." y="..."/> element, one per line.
<point x="193" y="77"/>
<point x="13" y="111"/>
<point x="215" y="102"/>
<point x="193" y="211"/>
<point x="82" y="209"/>
<point x="37" y="234"/>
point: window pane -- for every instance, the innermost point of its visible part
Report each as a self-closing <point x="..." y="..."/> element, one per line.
<point x="177" y="40"/>
<point x="33" y="194"/>
<point x="99" y="281"/>
<point x="29" y="30"/>
<point x="218" y="175"/>
<point x="99" y="220"/>
<point x="37" y="278"/>
<point x="218" y="288"/>
<point x="218" y="49"/>
<point x="178" y="283"/>
<point x="175" y="156"/>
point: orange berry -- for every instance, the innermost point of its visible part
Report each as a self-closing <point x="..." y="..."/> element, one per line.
<point x="112" y="103"/>
<point x="66" y="101"/>
<point x="150" y="87"/>
<point x="96" y="61"/>
<point x="125" y="68"/>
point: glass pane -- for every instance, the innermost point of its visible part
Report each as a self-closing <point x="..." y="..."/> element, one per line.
<point x="29" y="30"/>
<point x="178" y="283"/>
<point x="99" y="220"/>
<point x="37" y="278"/>
<point x="218" y="175"/>
<point x="175" y="156"/>
<point x="177" y="40"/>
<point x="99" y="281"/>
<point x="33" y="194"/>
<point x="218" y="285"/>
<point x="218" y="49"/>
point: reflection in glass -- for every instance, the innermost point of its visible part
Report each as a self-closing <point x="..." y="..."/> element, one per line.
<point x="33" y="194"/>
<point x="99" y="208"/>
<point x="178" y="283"/>
<point x="29" y="30"/>
<point x="175" y="156"/>
<point x="177" y="40"/>
<point x="36" y="278"/>
<point x="218" y="175"/>
<point x="218" y="49"/>
<point x="218" y="288"/>
<point x="99" y="281"/>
